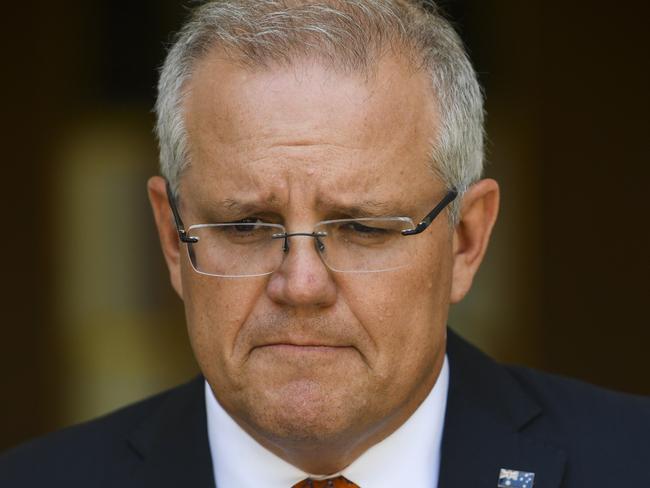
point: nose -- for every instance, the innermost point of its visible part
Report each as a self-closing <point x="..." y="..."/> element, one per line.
<point x="302" y="280"/>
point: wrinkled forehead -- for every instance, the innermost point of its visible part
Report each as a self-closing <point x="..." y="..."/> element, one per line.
<point x="305" y="121"/>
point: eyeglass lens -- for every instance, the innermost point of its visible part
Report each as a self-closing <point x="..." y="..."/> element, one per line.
<point x="255" y="249"/>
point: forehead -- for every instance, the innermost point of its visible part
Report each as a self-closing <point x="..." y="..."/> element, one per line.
<point x="268" y="129"/>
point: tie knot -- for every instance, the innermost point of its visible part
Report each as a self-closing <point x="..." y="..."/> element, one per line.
<point x="338" y="482"/>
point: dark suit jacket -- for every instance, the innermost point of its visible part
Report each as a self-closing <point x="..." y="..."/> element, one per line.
<point x="568" y="433"/>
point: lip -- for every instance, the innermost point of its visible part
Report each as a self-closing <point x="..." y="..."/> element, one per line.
<point x="290" y="348"/>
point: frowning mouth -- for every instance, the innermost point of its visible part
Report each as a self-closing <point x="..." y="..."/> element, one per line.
<point x="290" y="348"/>
<point x="307" y="345"/>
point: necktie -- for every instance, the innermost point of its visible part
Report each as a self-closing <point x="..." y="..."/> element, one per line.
<point x="338" y="482"/>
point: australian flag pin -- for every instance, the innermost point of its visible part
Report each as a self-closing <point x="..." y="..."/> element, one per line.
<point x="510" y="478"/>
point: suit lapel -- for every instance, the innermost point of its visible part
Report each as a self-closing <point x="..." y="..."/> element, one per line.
<point x="172" y="443"/>
<point x="485" y="425"/>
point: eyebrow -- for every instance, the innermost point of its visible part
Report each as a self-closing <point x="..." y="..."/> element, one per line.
<point x="230" y="208"/>
<point x="364" y="208"/>
<point x="237" y="206"/>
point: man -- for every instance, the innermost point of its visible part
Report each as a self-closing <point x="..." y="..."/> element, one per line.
<point x="321" y="206"/>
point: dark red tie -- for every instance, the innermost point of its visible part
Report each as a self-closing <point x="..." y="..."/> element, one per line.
<point x="338" y="482"/>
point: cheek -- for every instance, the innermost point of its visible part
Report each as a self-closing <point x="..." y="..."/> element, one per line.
<point x="405" y="312"/>
<point x="215" y="310"/>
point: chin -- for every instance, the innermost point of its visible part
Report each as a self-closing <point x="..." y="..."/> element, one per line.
<point x="305" y="411"/>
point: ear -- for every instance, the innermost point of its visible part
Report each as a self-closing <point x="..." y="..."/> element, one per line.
<point x="167" y="232"/>
<point x="479" y="210"/>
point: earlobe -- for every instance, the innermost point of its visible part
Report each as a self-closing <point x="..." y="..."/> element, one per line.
<point x="479" y="210"/>
<point x="167" y="233"/>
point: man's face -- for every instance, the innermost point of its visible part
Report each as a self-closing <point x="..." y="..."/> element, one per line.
<point x="307" y="353"/>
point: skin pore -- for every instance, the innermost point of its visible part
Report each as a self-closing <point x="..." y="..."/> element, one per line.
<point x="317" y="365"/>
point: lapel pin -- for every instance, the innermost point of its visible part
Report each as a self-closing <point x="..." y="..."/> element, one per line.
<point x="510" y="478"/>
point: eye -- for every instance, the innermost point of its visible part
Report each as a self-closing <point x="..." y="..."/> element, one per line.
<point x="247" y="224"/>
<point x="246" y="231"/>
<point x="360" y="228"/>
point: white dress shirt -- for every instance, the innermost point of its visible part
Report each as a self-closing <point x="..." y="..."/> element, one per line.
<point x="410" y="456"/>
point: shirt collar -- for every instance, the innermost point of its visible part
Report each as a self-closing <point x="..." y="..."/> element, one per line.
<point x="410" y="456"/>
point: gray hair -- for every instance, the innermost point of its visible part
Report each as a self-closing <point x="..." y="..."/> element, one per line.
<point x="350" y="35"/>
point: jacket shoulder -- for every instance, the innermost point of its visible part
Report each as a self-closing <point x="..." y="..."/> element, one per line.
<point x="579" y="401"/>
<point x="85" y="454"/>
<point x="603" y="428"/>
<point x="570" y="433"/>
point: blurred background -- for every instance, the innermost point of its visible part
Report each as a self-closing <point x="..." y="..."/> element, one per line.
<point x="90" y="322"/>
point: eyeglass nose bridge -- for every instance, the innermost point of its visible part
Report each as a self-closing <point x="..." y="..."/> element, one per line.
<point x="316" y="235"/>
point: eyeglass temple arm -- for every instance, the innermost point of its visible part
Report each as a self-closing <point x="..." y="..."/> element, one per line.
<point x="182" y="234"/>
<point x="426" y="221"/>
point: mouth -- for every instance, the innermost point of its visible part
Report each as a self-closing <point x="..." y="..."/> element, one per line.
<point x="307" y="348"/>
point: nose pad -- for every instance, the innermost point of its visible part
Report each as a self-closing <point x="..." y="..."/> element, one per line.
<point x="318" y="243"/>
<point x="285" y="244"/>
<point x="319" y="247"/>
<point x="303" y="278"/>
